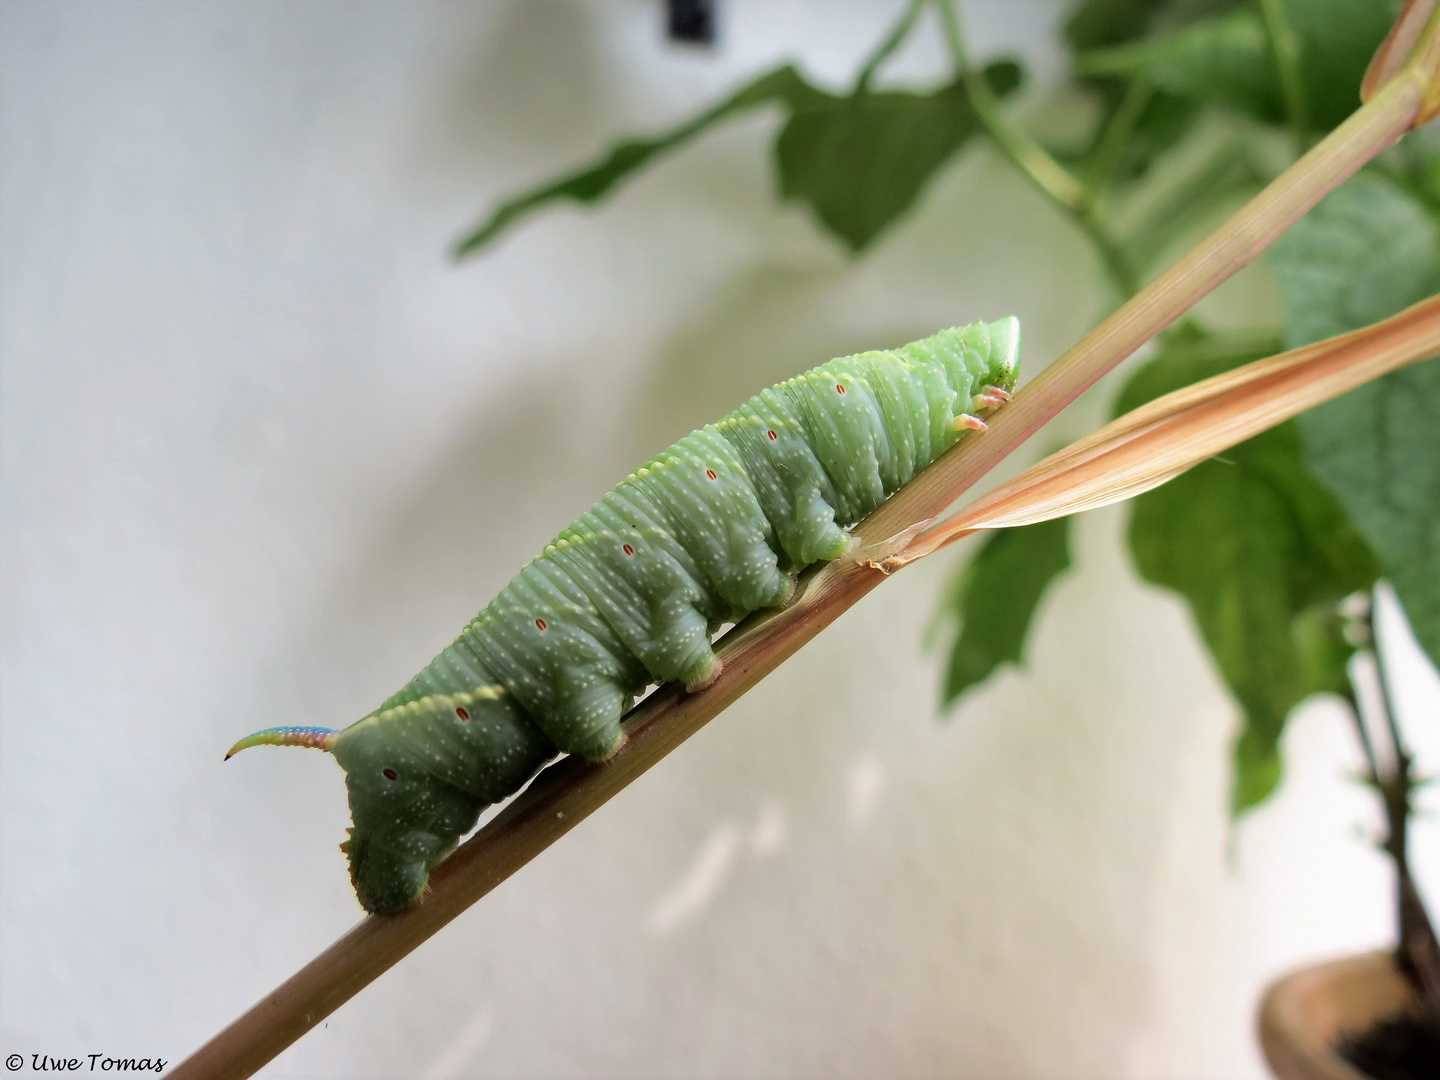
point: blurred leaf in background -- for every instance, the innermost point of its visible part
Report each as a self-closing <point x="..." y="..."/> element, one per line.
<point x="858" y="160"/>
<point x="1366" y="252"/>
<point x="1138" y="121"/>
<point x="1228" y="57"/>
<point x="784" y="85"/>
<point x="1378" y="450"/>
<point x="994" y="599"/>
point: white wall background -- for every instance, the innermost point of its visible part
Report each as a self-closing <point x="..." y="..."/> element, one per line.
<point x="265" y="450"/>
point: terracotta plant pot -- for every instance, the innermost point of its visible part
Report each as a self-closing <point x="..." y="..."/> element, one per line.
<point x="1305" y="1014"/>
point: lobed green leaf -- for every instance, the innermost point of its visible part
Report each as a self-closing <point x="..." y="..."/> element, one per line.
<point x="1378" y="449"/>
<point x="859" y="160"/>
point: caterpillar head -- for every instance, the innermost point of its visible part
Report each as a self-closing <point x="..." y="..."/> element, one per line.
<point x="1002" y="358"/>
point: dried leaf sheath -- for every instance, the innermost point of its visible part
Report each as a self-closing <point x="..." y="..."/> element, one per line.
<point x="1158" y="441"/>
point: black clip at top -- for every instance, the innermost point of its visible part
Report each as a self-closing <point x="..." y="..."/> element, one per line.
<point x="692" y="21"/>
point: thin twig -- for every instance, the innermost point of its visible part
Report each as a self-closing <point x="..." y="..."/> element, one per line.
<point x="569" y="791"/>
<point x="1418" y="952"/>
<point x="1034" y="160"/>
<point x="1286" y="51"/>
<point x="1117" y="135"/>
<point x="897" y="36"/>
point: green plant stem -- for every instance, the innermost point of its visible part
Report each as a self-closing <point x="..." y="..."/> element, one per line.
<point x="1034" y="161"/>
<point x="893" y="41"/>
<point x="1366" y="744"/>
<point x="570" y="790"/>
<point x="1116" y="136"/>
<point x="1286" y="51"/>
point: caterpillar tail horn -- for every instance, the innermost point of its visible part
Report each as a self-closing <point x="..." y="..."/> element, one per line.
<point x="318" y="738"/>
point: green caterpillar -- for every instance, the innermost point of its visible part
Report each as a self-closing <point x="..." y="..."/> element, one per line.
<point x="631" y="594"/>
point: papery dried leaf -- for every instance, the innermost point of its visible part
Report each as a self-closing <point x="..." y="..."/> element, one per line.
<point x="1144" y="448"/>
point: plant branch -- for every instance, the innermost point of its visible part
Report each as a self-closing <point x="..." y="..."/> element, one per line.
<point x="1047" y="173"/>
<point x="1116" y="136"/>
<point x="1034" y="160"/>
<point x="1286" y="51"/>
<point x="570" y="790"/>
<point x="1417" y="952"/>
<point x="897" y="36"/>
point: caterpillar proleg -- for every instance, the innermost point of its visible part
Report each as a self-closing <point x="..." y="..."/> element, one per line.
<point x="715" y="527"/>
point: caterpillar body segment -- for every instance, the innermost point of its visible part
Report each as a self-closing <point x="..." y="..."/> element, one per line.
<point x="631" y="593"/>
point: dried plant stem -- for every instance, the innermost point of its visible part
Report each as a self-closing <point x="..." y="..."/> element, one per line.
<point x="569" y="791"/>
<point x="1157" y="442"/>
<point x="1286" y="51"/>
<point x="1392" y="775"/>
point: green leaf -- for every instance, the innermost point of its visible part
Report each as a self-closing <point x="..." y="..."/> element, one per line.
<point x="1191" y="354"/>
<point x="1367" y="251"/>
<point x="1337" y="39"/>
<point x="1363" y="254"/>
<point x="1257" y="547"/>
<point x="1095" y="24"/>
<point x="1222" y="59"/>
<point x="1378" y="449"/>
<point x="995" y="597"/>
<point x="1251" y="543"/>
<point x="1226" y="59"/>
<point x="1164" y="118"/>
<point x="785" y="85"/>
<point x="860" y="161"/>
<point x="1324" y="650"/>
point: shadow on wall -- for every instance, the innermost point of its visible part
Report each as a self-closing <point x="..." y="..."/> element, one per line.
<point x="460" y="533"/>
